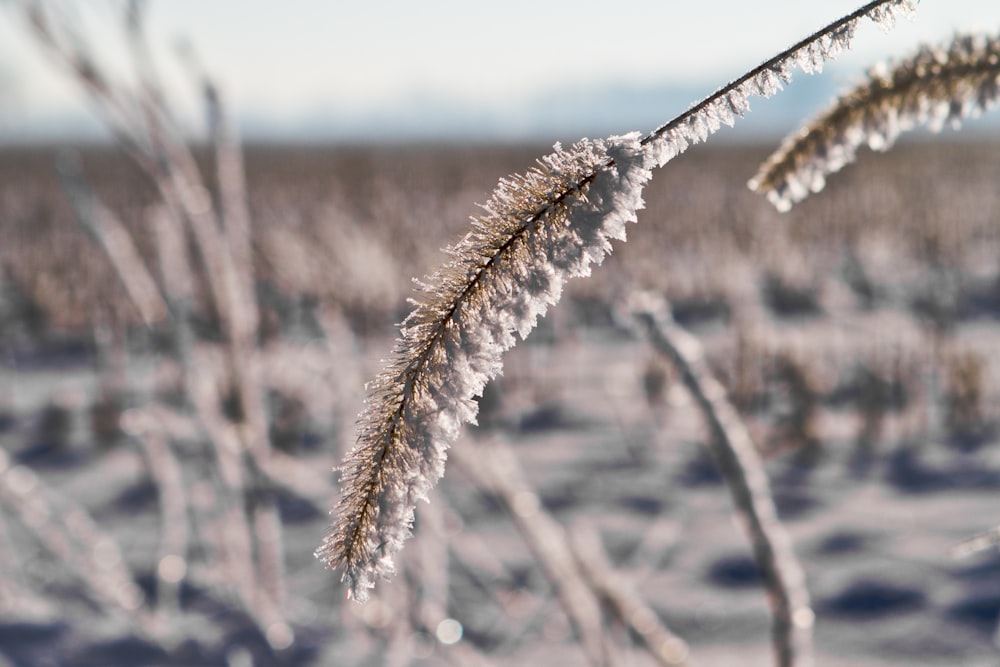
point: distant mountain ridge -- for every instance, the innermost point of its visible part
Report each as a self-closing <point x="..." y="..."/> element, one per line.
<point x="556" y="115"/>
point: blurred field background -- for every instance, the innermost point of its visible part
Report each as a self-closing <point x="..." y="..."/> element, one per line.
<point x="856" y="334"/>
<point x="183" y="355"/>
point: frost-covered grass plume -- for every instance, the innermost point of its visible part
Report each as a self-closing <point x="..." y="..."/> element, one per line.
<point x="937" y="86"/>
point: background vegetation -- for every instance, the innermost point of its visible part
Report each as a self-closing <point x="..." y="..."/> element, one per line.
<point x="184" y="350"/>
<point x="854" y="333"/>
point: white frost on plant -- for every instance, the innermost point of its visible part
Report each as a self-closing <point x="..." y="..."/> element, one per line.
<point x="885" y="16"/>
<point x="935" y="87"/>
<point x="537" y="231"/>
<point x="721" y="108"/>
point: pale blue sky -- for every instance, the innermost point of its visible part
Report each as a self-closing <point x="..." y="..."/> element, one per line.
<point x="303" y="64"/>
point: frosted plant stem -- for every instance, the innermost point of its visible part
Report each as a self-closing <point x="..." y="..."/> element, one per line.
<point x="494" y="466"/>
<point x="427" y="575"/>
<point x="432" y="565"/>
<point x="665" y="647"/>
<point x="142" y="120"/>
<point x="237" y="545"/>
<point x="113" y="237"/>
<point x="503" y="275"/>
<point x="176" y="277"/>
<point x="69" y="533"/>
<point x="15" y="596"/>
<point x="809" y="54"/>
<point x="174" y="529"/>
<point x="741" y="466"/>
<point x="234" y="216"/>
<point x="937" y="86"/>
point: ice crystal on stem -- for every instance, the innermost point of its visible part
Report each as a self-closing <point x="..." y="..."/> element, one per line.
<point x="936" y="86"/>
<point x="767" y="79"/>
<point x="537" y="231"/>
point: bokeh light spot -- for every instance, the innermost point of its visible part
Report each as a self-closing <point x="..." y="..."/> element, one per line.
<point x="280" y="636"/>
<point x="172" y="568"/>
<point x="449" y="631"/>
<point x="21" y="480"/>
<point x="803" y="618"/>
<point x="107" y="555"/>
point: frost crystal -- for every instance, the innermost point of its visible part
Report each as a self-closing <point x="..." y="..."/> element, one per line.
<point x="537" y="231"/>
<point x="809" y="55"/>
<point x="935" y="87"/>
<point x="885" y="15"/>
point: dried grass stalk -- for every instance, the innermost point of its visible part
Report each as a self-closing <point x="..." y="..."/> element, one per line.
<point x="174" y="531"/>
<point x="666" y="648"/>
<point x="936" y="86"/>
<point x="495" y="467"/>
<point x="740" y="464"/>
<point x="112" y="235"/>
<point x="16" y="597"/>
<point x="69" y="533"/>
<point x="141" y="119"/>
<point x="537" y="231"/>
